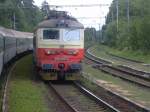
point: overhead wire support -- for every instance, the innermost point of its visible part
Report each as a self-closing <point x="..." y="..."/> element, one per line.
<point x="128" y="14"/>
<point x="90" y="17"/>
<point x="117" y="14"/>
<point x="81" y="5"/>
<point x="14" y="21"/>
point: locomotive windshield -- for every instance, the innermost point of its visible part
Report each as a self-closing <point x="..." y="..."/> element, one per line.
<point x="71" y="35"/>
<point x="50" y="34"/>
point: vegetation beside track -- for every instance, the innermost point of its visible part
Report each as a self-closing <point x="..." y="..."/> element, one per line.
<point x="23" y="94"/>
<point x="117" y="85"/>
<point x="24" y="13"/>
<point x="133" y="55"/>
<point x="131" y="29"/>
<point x="103" y="52"/>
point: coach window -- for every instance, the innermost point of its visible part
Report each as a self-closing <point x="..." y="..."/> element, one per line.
<point x="51" y="34"/>
<point x="1" y="43"/>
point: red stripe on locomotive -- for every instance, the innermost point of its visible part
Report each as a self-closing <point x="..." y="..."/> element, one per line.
<point x="56" y="56"/>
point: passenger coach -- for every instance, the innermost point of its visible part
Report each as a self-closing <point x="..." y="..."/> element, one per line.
<point x="59" y="47"/>
<point x="13" y="43"/>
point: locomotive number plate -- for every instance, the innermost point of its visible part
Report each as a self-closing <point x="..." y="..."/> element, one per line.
<point x="61" y="59"/>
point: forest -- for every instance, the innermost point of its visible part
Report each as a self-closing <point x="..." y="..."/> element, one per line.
<point x="20" y="15"/>
<point x="132" y="31"/>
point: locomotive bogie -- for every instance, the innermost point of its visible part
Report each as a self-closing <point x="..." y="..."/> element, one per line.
<point x="58" y="76"/>
<point x="48" y="75"/>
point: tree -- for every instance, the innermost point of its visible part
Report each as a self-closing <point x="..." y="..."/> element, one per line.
<point x="90" y="34"/>
<point x="137" y="36"/>
<point x="23" y="13"/>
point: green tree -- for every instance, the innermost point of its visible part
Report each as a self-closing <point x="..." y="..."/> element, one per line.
<point x="136" y="35"/>
<point x="23" y="13"/>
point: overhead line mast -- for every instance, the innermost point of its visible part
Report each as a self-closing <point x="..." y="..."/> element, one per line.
<point x="90" y="17"/>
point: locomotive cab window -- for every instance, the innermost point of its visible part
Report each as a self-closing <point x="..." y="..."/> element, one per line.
<point x="50" y="34"/>
<point x="71" y="35"/>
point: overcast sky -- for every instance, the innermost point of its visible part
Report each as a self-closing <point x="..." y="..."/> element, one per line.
<point x="100" y="12"/>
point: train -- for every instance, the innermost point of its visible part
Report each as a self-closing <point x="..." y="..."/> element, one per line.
<point x="58" y="47"/>
<point x="13" y="43"/>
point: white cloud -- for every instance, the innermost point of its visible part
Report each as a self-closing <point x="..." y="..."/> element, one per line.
<point x="84" y="11"/>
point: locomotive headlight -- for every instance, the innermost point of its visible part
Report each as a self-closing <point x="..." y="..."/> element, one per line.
<point x="48" y="52"/>
<point x="73" y="52"/>
<point x="51" y="52"/>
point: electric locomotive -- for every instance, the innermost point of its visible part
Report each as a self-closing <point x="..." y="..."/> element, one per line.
<point x="59" y="47"/>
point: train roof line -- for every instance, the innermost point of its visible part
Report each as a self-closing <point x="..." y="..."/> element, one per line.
<point x="60" y="19"/>
<point x="11" y="33"/>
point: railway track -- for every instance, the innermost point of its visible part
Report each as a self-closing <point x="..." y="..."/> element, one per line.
<point x="122" y="72"/>
<point x="138" y="73"/>
<point x="116" y="100"/>
<point x="128" y="63"/>
<point x="56" y="102"/>
<point x="79" y="99"/>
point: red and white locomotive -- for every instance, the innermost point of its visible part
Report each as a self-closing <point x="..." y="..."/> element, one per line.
<point x="59" y="47"/>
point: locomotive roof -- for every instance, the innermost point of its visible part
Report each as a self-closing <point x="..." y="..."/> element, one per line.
<point x="59" y="19"/>
<point x="56" y="23"/>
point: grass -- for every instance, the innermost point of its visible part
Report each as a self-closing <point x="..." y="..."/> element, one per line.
<point x="134" y="55"/>
<point x="101" y="51"/>
<point x="24" y="94"/>
<point x="129" y="90"/>
<point x="88" y="44"/>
